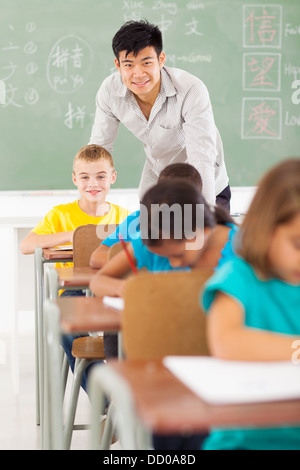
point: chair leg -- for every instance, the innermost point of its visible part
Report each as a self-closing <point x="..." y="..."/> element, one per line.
<point x="65" y="372"/>
<point x="108" y="429"/>
<point x="80" y="367"/>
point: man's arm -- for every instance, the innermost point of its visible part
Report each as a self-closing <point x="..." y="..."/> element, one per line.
<point x="201" y="137"/>
<point x="105" y="127"/>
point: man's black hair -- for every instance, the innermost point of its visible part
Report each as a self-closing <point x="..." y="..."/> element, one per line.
<point x="134" y="36"/>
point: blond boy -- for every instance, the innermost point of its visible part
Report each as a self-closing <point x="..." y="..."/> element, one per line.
<point x="93" y="174"/>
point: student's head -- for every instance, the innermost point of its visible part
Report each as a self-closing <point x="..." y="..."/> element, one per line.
<point x="270" y="234"/>
<point x="182" y="170"/>
<point x="93" y="172"/>
<point x="175" y="221"/>
<point x="138" y="57"/>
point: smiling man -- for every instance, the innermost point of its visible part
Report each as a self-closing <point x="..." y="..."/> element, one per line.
<point x="166" y="108"/>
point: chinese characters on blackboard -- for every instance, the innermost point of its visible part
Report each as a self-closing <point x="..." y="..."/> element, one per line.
<point x="13" y="55"/>
<point x="262" y="33"/>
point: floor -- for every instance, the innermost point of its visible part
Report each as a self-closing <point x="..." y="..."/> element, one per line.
<point x="18" y="429"/>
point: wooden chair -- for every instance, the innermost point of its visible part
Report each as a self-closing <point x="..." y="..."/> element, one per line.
<point x="86" y="239"/>
<point x="162" y="316"/>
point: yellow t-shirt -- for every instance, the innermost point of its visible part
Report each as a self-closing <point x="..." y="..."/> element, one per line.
<point x="67" y="217"/>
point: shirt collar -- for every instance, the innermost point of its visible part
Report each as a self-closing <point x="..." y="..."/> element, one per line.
<point x="167" y="86"/>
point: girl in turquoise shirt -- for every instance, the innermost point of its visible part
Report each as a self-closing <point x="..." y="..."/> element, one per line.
<point x="253" y="301"/>
<point x="193" y="236"/>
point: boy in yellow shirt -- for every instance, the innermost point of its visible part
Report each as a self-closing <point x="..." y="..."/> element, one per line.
<point x="93" y="174"/>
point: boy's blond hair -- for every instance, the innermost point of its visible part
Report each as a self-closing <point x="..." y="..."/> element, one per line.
<point x="93" y="153"/>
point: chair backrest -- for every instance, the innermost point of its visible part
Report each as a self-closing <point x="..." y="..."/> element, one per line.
<point x="162" y="315"/>
<point x="86" y="239"/>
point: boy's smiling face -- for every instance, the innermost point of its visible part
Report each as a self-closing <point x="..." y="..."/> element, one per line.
<point x="93" y="179"/>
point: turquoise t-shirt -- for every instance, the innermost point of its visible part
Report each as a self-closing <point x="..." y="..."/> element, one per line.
<point x="146" y="259"/>
<point x="129" y="229"/>
<point x="271" y="305"/>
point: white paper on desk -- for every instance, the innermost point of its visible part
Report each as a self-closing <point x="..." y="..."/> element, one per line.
<point x="62" y="248"/>
<point x="115" y="302"/>
<point x="228" y="382"/>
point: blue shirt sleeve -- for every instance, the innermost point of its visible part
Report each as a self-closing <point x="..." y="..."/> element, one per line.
<point x="235" y="278"/>
<point x="129" y="229"/>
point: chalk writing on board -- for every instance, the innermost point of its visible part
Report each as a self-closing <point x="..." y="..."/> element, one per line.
<point x="261" y="118"/>
<point x="133" y="10"/>
<point x="296" y="94"/>
<point x="290" y="69"/>
<point x="31" y="96"/>
<point x="69" y="64"/>
<point x="2" y="92"/>
<point x="261" y="71"/>
<point x="77" y="117"/>
<point x="164" y="24"/>
<point x="291" y="30"/>
<point x="262" y="26"/>
<point x="168" y="6"/>
<point x="192" y="28"/>
<point x="193" y="58"/>
<point x="194" y="6"/>
<point x="11" y="71"/>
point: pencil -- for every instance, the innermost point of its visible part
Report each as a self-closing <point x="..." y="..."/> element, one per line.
<point x="132" y="265"/>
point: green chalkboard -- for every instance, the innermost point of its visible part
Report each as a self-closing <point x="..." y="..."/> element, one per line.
<point x="55" y="54"/>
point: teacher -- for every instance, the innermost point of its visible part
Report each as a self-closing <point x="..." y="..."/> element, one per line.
<point x="166" y="108"/>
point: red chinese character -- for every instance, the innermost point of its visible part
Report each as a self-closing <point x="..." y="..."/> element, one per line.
<point x="261" y="116"/>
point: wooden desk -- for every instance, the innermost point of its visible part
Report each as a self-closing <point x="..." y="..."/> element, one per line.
<point x="82" y="314"/>
<point x="68" y="277"/>
<point x="42" y="257"/>
<point x="164" y="405"/>
<point x="68" y="315"/>
<point x="54" y="256"/>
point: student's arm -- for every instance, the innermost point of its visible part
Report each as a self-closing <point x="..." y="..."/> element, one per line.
<point x="108" y="281"/>
<point x="99" y="257"/>
<point x="33" y="240"/>
<point x="230" y="339"/>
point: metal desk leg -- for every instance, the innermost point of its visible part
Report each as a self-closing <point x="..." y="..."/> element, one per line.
<point x="53" y="413"/>
<point x="38" y="285"/>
